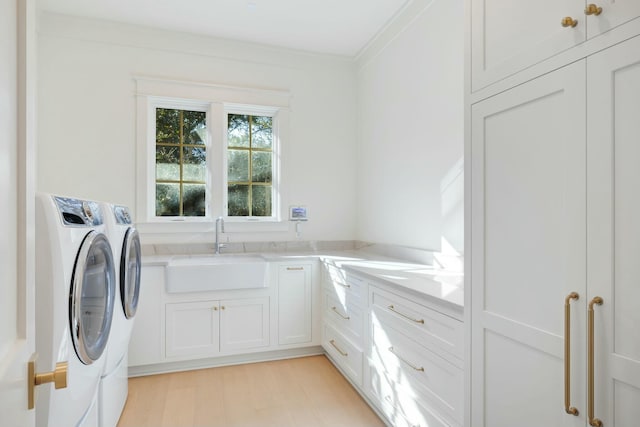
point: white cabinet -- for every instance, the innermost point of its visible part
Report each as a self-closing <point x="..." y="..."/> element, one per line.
<point x="509" y="36"/>
<point x="414" y="363"/>
<point x="193" y="328"/>
<point x="294" y="303"/>
<point x="555" y="205"/>
<point x="206" y="328"/>
<point x="613" y="232"/>
<point x="344" y="309"/>
<point x="146" y="345"/>
<point x="244" y="324"/>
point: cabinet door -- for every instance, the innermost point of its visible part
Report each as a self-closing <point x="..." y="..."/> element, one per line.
<point x="145" y="346"/>
<point x="528" y="244"/>
<point x="508" y="36"/>
<point x="614" y="229"/>
<point x="192" y="328"/>
<point x="294" y="304"/>
<point x="244" y="324"/>
<point x="614" y="13"/>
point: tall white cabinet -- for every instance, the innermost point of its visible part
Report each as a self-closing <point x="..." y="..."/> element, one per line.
<point x="553" y="287"/>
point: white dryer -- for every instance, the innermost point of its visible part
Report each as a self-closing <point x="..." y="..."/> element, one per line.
<point x="75" y="297"/>
<point x="125" y="243"/>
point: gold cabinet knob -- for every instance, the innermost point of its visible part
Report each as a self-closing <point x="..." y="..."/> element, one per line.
<point x="592" y="9"/>
<point x="58" y="377"/>
<point x="569" y="22"/>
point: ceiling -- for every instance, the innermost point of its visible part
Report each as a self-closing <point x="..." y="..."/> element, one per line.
<point x="341" y="27"/>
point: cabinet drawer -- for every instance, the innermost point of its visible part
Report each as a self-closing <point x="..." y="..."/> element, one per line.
<point x="398" y="403"/>
<point x="345" y="286"/>
<point x="440" y="333"/>
<point x="347" y="319"/>
<point x="343" y="353"/>
<point x="429" y="376"/>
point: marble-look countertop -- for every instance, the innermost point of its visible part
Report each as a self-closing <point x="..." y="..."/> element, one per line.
<point x="443" y="286"/>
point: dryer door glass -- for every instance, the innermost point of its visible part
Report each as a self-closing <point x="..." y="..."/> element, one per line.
<point x="92" y="297"/>
<point x="130" y="267"/>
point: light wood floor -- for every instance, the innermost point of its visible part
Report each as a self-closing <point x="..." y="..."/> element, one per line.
<point x="303" y="392"/>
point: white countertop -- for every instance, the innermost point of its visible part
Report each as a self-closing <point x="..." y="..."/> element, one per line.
<point x="440" y="285"/>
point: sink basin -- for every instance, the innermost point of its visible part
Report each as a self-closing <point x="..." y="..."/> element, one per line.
<point x="216" y="273"/>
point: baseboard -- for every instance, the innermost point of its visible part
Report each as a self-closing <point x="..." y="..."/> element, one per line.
<point x="212" y="362"/>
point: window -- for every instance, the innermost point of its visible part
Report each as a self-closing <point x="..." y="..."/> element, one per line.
<point x="181" y="162"/>
<point x="205" y="151"/>
<point x="249" y="165"/>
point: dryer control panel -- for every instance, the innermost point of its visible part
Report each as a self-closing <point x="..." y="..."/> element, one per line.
<point x="76" y="212"/>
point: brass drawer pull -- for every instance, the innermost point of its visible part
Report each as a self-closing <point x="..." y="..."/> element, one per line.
<point x="595" y="422"/>
<point x="344" y="285"/>
<point x="567" y="354"/>
<point x="340" y="314"/>
<point x="411" y="365"/>
<point x="295" y="268"/>
<point x="569" y="22"/>
<point x="392" y="308"/>
<point x="333" y="343"/>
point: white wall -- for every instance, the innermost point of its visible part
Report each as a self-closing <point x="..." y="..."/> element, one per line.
<point x="87" y="113"/>
<point x="410" y="106"/>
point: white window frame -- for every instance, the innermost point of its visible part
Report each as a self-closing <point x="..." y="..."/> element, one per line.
<point x="179" y="104"/>
<point x="218" y="100"/>
<point x="252" y="110"/>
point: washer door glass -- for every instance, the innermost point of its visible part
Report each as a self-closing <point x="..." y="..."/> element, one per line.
<point x="130" y="267"/>
<point x="92" y="297"/>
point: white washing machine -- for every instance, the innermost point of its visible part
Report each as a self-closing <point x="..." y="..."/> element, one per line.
<point x="75" y="298"/>
<point x="125" y="243"/>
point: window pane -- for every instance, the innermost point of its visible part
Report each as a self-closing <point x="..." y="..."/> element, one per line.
<point x="193" y="196"/>
<point x="238" y="200"/>
<point x="167" y="199"/>
<point x="167" y="125"/>
<point x="195" y="127"/>
<point x="238" y="165"/>
<point x="261" y="165"/>
<point x="194" y="164"/>
<point x="261" y="200"/>
<point x="261" y="132"/>
<point x="238" y="130"/>
<point x="167" y="163"/>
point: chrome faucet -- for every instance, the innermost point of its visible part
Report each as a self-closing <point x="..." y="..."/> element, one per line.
<point x="219" y="229"/>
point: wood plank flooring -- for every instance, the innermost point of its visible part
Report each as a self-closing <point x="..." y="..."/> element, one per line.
<point x="302" y="392"/>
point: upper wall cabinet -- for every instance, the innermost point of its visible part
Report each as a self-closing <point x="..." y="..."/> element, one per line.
<point x="508" y="36"/>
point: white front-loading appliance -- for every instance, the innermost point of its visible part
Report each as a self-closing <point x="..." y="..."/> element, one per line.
<point x="75" y="298"/>
<point x="125" y="243"/>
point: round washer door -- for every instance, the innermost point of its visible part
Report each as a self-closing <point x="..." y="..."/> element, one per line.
<point x="130" y="268"/>
<point x="92" y="297"/>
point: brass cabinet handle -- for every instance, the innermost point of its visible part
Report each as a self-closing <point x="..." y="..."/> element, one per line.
<point x="567" y="354"/>
<point x="295" y="268"/>
<point x="222" y="307"/>
<point x="592" y="9"/>
<point x="344" y="285"/>
<point x="215" y="308"/>
<point x="411" y="365"/>
<point x="569" y="22"/>
<point x="58" y="377"/>
<point x="333" y="343"/>
<point x="590" y="370"/>
<point x="340" y="314"/>
<point x="392" y="308"/>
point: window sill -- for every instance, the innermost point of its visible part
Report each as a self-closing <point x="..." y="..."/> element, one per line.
<point x="178" y="227"/>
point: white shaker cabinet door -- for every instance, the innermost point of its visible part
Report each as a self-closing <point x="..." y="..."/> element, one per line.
<point x="508" y="36"/>
<point x="528" y="243"/>
<point x="612" y="14"/>
<point x="613" y="153"/>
